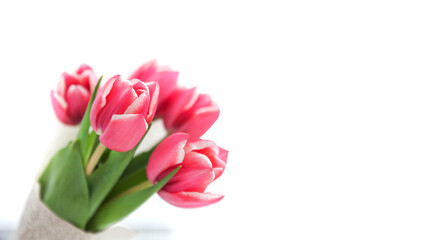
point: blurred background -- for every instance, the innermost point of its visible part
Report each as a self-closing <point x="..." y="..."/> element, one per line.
<point x="329" y="108"/>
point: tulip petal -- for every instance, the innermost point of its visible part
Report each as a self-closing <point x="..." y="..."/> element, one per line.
<point x="100" y="101"/>
<point x="83" y="68"/>
<point x="138" y="85"/>
<point x="167" y="80"/>
<point x="192" y="180"/>
<point x="194" y="176"/>
<point x="88" y="79"/>
<point x="69" y="80"/>
<point x="166" y="155"/>
<point x="180" y="101"/>
<point x="190" y="199"/>
<point x="201" y="144"/>
<point x="200" y="122"/>
<point x="124" y="132"/>
<point x="139" y="105"/>
<point x="154" y="90"/>
<point x="196" y="160"/>
<point x="202" y="101"/>
<point x="93" y="80"/>
<point x="145" y="71"/>
<point x="219" y="163"/>
<point x="216" y="155"/>
<point x="60" y="108"/>
<point x="116" y="101"/>
<point x="77" y="98"/>
<point x="61" y="86"/>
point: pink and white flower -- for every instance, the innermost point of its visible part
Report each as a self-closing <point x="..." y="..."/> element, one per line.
<point x="201" y="161"/>
<point x="122" y="111"/>
<point x="187" y="111"/>
<point x="70" y="98"/>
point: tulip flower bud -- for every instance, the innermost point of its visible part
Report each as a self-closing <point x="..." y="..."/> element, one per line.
<point x="70" y="98"/>
<point x="187" y="111"/>
<point x="150" y="72"/>
<point x="122" y="111"/>
<point x="201" y="162"/>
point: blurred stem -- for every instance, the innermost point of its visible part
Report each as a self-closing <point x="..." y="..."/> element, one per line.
<point x="141" y="186"/>
<point x="94" y="159"/>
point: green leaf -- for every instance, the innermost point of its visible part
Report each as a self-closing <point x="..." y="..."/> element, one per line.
<point x="64" y="186"/>
<point x="85" y="124"/>
<point x="103" y="179"/>
<point x="139" y="162"/>
<point x="92" y="143"/>
<point x="128" y="182"/>
<point x="134" y="174"/>
<point x="116" y="209"/>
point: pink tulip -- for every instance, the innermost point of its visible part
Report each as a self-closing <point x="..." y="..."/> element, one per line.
<point x="187" y="111"/>
<point x="122" y="111"/>
<point x="201" y="162"/>
<point x="150" y="72"/>
<point x="70" y="98"/>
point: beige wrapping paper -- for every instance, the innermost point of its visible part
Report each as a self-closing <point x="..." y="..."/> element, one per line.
<point x="38" y="222"/>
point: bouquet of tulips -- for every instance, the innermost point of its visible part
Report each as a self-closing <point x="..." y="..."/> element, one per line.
<point x="99" y="178"/>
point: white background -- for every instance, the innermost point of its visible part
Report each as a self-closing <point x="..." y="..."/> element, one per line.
<point x="330" y="109"/>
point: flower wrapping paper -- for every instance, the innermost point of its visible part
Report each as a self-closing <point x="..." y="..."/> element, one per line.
<point x="38" y="222"/>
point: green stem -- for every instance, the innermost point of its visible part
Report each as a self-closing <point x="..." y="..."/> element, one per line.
<point x="136" y="188"/>
<point x="94" y="159"/>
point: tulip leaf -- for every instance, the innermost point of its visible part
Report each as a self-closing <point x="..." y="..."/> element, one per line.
<point x="85" y="124"/>
<point x="134" y="174"/>
<point x="128" y="182"/>
<point x="92" y="143"/>
<point x="139" y="162"/>
<point x="118" y="208"/>
<point x="103" y="179"/>
<point x="64" y="186"/>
